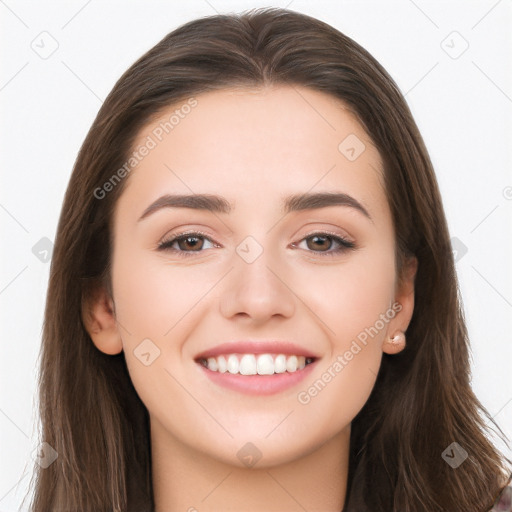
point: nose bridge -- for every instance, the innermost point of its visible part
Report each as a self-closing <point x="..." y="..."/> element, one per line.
<point x="256" y="288"/>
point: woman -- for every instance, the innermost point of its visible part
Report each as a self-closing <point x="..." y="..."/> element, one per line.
<point x="252" y="302"/>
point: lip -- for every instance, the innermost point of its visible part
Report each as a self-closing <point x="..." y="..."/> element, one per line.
<point x="258" y="384"/>
<point x="257" y="347"/>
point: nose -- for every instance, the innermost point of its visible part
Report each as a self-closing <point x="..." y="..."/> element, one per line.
<point x="258" y="290"/>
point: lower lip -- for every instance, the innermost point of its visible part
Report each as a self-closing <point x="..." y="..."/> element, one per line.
<point x="259" y="384"/>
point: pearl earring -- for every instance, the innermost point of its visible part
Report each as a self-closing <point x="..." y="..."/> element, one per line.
<point x="398" y="338"/>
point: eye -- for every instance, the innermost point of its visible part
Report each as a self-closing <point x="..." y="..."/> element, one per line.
<point x="321" y="243"/>
<point x="187" y="243"/>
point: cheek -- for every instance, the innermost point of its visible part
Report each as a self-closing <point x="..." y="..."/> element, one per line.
<point x="152" y="296"/>
<point x="350" y="298"/>
<point x="154" y="307"/>
<point x="158" y="305"/>
<point x="353" y="304"/>
<point x="351" y="308"/>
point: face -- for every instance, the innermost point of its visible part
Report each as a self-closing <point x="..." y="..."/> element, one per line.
<point x="258" y="316"/>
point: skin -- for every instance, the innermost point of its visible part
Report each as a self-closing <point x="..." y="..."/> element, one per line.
<point x="253" y="147"/>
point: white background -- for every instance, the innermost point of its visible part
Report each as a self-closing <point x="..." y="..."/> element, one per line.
<point x="463" y="107"/>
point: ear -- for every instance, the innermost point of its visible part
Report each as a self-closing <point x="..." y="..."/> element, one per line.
<point x="404" y="297"/>
<point x="99" y="320"/>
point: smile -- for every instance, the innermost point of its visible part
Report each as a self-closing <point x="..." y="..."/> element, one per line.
<point x="256" y="364"/>
<point x="257" y="367"/>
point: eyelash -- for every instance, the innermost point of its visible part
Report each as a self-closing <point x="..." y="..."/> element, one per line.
<point x="346" y="245"/>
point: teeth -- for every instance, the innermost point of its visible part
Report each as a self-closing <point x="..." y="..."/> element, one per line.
<point x="291" y="364"/>
<point x="251" y="364"/>
<point x="222" y="364"/>
<point x="247" y="365"/>
<point x="265" y="364"/>
<point x="233" y="365"/>
<point x="280" y="364"/>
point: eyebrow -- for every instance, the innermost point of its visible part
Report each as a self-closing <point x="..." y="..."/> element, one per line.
<point x="219" y="204"/>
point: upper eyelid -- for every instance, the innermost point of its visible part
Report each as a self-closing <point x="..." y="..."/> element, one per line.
<point x="185" y="233"/>
<point x="326" y="232"/>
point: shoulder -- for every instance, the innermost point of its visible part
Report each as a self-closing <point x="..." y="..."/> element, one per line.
<point x="504" y="501"/>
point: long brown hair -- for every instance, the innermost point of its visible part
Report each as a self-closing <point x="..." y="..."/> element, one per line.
<point x="422" y="400"/>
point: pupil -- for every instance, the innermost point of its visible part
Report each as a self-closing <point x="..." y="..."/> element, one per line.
<point x="316" y="238"/>
<point x="193" y="243"/>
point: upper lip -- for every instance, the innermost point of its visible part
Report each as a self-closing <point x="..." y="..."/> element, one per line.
<point x="256" y="347"/>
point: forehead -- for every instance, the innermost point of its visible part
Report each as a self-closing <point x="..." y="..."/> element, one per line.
<point x="253" y="144"/>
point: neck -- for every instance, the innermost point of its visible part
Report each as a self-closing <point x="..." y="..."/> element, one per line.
<point x="191" y="481"/>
